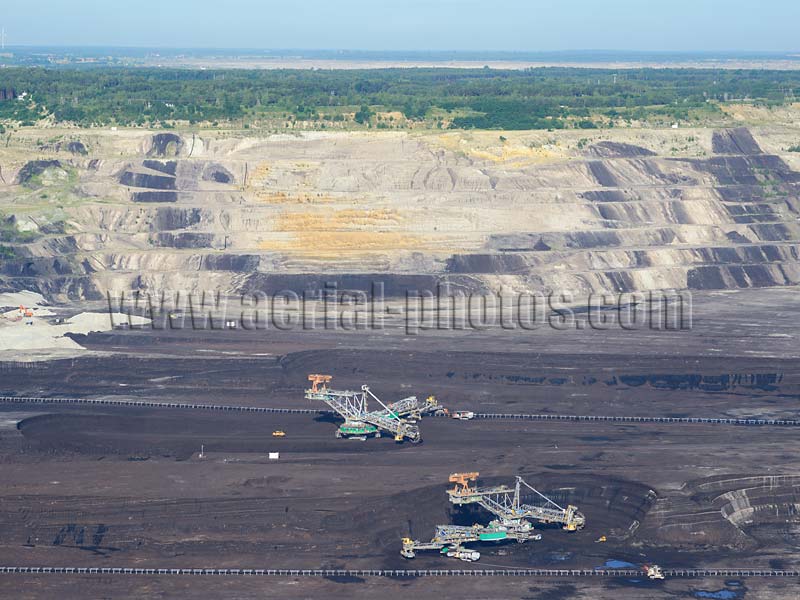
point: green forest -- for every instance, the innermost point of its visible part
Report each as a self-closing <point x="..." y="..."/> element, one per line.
<point x="542" y="98"/>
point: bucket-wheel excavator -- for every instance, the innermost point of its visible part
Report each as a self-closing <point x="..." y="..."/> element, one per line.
<point x="396" y="418"/>
<point x="513" y="518"/>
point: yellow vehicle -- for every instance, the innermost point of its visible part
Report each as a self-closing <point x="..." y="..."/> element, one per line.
<point x="278" y="433"/>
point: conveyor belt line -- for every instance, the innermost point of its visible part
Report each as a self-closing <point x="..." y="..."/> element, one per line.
<point x="486" y="416"/>
<point x="566" y="573"/>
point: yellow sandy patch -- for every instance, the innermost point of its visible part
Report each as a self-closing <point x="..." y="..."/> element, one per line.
<point x="284" y="198"/>
<point x="338" y="220"/>
<point x="762" y="114"/>
<point x="328" y="244"/>
<point x="258" y="175"/>
<point x="516" y="151"/>
<point x="517" y="155"/>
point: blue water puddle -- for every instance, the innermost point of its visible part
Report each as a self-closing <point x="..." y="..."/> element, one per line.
<point x="617" y="564"/>
<point x="559" y="556"/>
<point x="720" y="595"/>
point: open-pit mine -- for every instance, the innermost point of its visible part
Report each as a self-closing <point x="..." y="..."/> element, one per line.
<point x="151" y="453"/>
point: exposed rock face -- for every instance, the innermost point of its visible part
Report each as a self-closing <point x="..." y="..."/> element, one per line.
<point x="188" y="239"/>
<point x="168" y="167"/>
<point x="165" y="145"/>
<point x="410" y="211"/>
<point x="77" y="147"/>
<point x="145" y="180"/>
<point x="618" y="150"/>
<point x="154" y="196"/>
<point x="217" y="173"/>
<point x="733" y="511"/>
<point x="735" y="141"/>
<point x="167" y="218"/>
<point x="35" y="167"/>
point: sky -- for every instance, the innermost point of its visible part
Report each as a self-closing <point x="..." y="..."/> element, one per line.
<point x="510" y="25"/>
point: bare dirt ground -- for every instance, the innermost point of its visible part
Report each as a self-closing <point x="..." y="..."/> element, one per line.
<point x="106" y="486"/>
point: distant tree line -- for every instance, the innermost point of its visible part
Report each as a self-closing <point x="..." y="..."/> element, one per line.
<point x="542" y="98"/>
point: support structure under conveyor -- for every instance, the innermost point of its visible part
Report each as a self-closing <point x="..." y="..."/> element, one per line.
<point x="397" y="418"/>
<point x="513" y="518"/>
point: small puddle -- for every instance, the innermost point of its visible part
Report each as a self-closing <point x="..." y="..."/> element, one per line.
<point x="617" y="564"/>
<point x="719" y="595"/>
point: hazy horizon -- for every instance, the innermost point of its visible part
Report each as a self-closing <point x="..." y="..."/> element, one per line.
<point x="273" y="50"/>
<point x="409" y="25"/>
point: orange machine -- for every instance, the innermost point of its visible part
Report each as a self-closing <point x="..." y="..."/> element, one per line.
<point x="316" y="380"/>
<point x="462" y="482"/>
